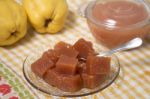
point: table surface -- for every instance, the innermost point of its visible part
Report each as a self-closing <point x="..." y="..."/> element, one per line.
<point x="132" y="83"/>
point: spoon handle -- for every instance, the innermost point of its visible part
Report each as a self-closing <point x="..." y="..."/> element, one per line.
<point x="129" y="45"/>
<point x="118" y="49"/>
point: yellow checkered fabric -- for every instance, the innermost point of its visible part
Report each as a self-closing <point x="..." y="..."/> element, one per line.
<point x="133" y="81"/>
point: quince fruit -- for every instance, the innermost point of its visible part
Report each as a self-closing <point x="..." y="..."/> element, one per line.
<point x="13" y="22"/>
<point x="46" y="16"/>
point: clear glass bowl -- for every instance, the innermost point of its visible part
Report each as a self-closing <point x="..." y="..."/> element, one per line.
<point x="114" y="22"/>
<point x="41" y="85"/>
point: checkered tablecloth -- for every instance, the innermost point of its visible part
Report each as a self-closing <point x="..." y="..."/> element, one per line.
<point x="132" y="83"/>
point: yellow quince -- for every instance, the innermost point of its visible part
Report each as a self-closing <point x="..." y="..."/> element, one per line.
<point x="13" y="22"/>
<point x="46" y="16"/>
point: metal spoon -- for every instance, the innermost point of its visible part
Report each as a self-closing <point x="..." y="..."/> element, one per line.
<point x="134" y="43"/>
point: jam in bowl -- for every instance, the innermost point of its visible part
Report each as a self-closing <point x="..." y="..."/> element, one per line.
<point x="114" y="22"/>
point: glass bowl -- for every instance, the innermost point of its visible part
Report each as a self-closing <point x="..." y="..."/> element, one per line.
<point x="41" y="85"/>
<point x="114" y="22"/>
